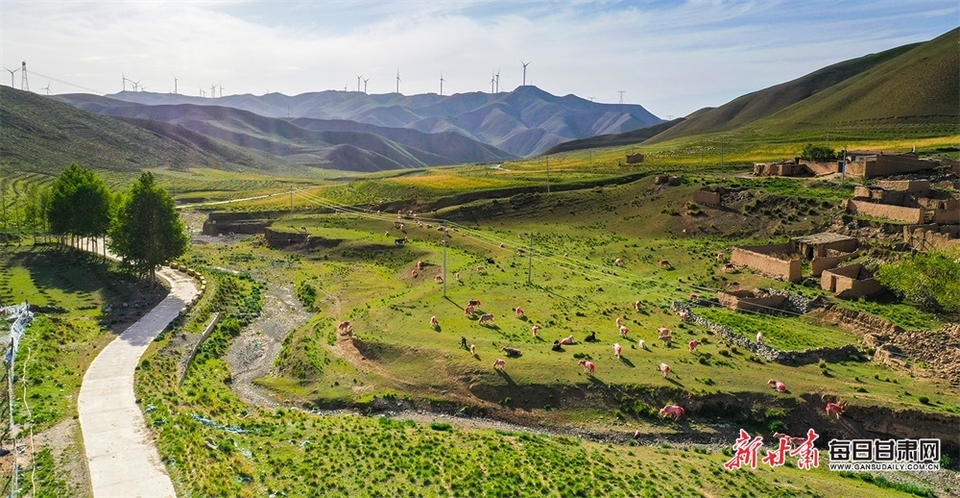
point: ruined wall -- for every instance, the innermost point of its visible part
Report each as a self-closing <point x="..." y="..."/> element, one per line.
<point x="914" y="186"/>
<point x="707" y="197"/>
<point x="820" y="168"/>
<point x="634" y="158"/>
<point x="821" y="263"/>
<point x="885" y="211"/>
<point x="931" y="237"/>
<point x="844" y="282"/>
<point x="758" y="258"/>
<point x="885" y="165"/>
<point x="245" y="223"/>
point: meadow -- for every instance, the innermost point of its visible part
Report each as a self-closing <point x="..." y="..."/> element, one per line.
<point x="214" y="444"/>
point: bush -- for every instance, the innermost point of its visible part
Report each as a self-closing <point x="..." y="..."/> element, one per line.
<point x="440" y="426"/>
<point x="924" y="400"/>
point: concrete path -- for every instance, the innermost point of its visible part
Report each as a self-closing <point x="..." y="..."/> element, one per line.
<point x="121" y="456"/>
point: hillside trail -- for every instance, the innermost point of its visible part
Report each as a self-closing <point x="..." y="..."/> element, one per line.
<point x="121" y="455"/>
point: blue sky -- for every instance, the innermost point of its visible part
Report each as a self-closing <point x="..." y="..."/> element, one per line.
<point x="672" y="57"/>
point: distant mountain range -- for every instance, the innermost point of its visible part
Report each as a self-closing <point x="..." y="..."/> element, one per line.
<point x="523" y="122"/>
<point x="914" y="87"/>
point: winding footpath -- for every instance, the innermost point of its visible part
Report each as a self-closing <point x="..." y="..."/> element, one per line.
<point x="121" y="457"/>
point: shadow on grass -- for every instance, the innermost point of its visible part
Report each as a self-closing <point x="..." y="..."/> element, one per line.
<point x="675" y="382"/>
<point x="595" y="381"/>
<point x="506" y="377"/>
<point x="625" y="361"/>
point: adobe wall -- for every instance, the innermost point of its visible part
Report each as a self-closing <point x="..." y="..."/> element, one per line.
<point x="821" y="263"/>
<point x="820" y="168"/>
<point x="843" y="281"/>
<point x="885" y="165"/>
<point x="885" y="211"/>
<point x="757" y="258"/>
<point x="915" y="186"/>
<point x="931" y="237"/>
<point x="707" y="197"/>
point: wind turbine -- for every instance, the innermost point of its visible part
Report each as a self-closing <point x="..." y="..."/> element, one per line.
<point x="359" y="77"/>
<point x="220" y="85"/>
<point x="365" y="80"/>
<point x="47" y="88"/>
<point x="498" y="81"/>
<point x="492" y="80"/>
<point x="213" y="91"/>
<point x="201" y="92"/>
<point x="136" y="84"/>
<point x="11" y="74"/>
<point x="398" y="80"/>
<point x="174" y="83"/>
<point x="525" y="64"/>
<point x="441" y="84"/>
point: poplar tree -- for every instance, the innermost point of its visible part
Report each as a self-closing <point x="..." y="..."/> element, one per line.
<point x="147" y="231"/>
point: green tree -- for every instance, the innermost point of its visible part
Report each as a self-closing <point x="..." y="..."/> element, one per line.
<point x="35" y="209"/>
<point x="931" y="280"/>
<point x="80" y="204"/>
<point x="147" y="231"/>
<point x="818" y="153"/>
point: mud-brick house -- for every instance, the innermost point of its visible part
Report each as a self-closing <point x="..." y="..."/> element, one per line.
<point x="634" y="158"/>
<point x="870" y="164"/>
<point x="849" y="281"/>
<point x="785" y="261"/>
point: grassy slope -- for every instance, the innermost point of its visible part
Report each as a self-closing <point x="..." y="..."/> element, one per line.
<point x="909" y="89"/>
<point x="42" y="135"/>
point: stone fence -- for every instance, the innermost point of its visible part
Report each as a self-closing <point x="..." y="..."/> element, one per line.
<point x="793" y="358"/>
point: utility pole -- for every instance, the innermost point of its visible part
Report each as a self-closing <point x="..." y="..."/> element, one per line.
<point x="530" y="260"/>
<point x="721" y="154"/>
<point x="548" y="173"/>
<point x="444" y="241"/>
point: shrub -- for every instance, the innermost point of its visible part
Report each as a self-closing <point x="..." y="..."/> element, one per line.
<point x="924" y="400"/>
<point x="440" y="426"/>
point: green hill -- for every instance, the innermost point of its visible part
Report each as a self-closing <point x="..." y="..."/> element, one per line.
<point x="39" y="134"/>
<point x="909" y="85"/>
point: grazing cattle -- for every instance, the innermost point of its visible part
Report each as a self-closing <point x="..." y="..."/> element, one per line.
<point x="592" y="337"/>
<point x="618" y="262"/>
<point x="387" y="234"/>
<point x="671" y="411"/>
<point x="501" y="245"/>
<point x="793" y="440"/>
<point x="684" y="314"/>
<point x="499" y="363"/>
<point x="588" y="367"/>
<point x="720" y="257"/>
<point x="303" y="229"/>
<point x="693" y="345"/>
<point x="473" y="349"/>
<point x="617" y="349"/>
<point x="414" y="273"/>
<point x="345" y="327"/>
<point x="420" y="265"/>
<point x="665" y="264"/>
<point x="474" y="302"/>
<point x="468" y="310"/>
<point x="434" y="322"/>
<point x="619" y="321"/>
<point x="399" y="242"/>
<point x="663" y="331"/>
<point x="520" y="252"/>
<point x="729" y="267"/>
<point x="836" y="408"/>
<point x="479" y="269"/>
<point x="642" y="344"/>
<point x="694" y="297"/>
<point x="511" y="351"/>
<point x="664" y="369"/>
<point x="759" y="337"/>
<point x="566" y="341"/>
<point x="486" y="317"/>
<point x="438" y="278"/>
<point x="776" y="384"/>
<point x="534" y="330"/>
<point x="636" y="305"/>
<point x="463" y="342"/>
<point x="519" y="311"/>
<point x="457" y="276"/>
<point x="624" y="331"/>
<point x="566" y="255"/>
